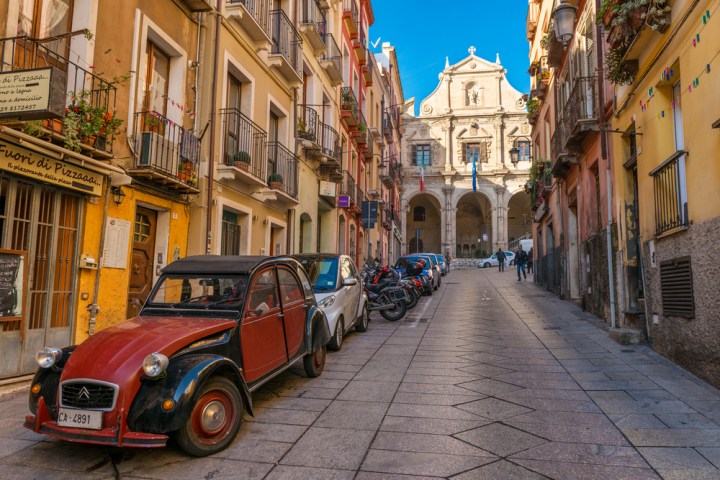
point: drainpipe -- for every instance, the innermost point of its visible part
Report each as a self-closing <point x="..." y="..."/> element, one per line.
<point x="213" y="113"/>
<point x="608" y="173"/>
<point x="94" y="308"/>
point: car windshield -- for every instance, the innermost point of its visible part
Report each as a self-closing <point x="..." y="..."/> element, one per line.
<point x="322" y="273"/>
<point x="201" y="292"/>
<point x="404" y="261"/>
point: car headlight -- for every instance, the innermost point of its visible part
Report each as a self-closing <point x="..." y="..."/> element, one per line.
<point x="326" y="302"/>
<point x="48" y="356"/>
<point x="155" y="364"/>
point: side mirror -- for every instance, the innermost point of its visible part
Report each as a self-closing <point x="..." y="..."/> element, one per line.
<point x="349" y="281"/>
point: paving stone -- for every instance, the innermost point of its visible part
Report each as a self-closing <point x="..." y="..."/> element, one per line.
<point x="295" y="403"/>
<point x="490" y="387"/>
<point x="499" y="470"/>
<point x="688" y="474"/>
<point x="636" y="420"/>
<point x="252" y="449"/>
<point x="271" y="432"/>
<point x="429" y="388"/>
<point x="429" y="425"/>
<point x="574" y="471"/>
<point x="287" y="472"/>
<point x="389" y="476"/>
<point x="368" y="391"/>
<point x="673" y="458"/>
<point x="431" y="411"/>
<point x="502" y="440"/>
<point x="425" y="443"/>
<point x="686" y="420"/>
<point x="282" y="416"/>
<point x="545" y="393"/>
<point x="642" y="437"/>
<point x="429" y="464"/>
<point x="330" y="448"/>
<point x="434" y="399"/>
<point x="558" y="405"/>
<point x="494" y="409"/>
<point x="24" y="472"/>
<point x="352" y="415"/>
<point x="594" y="454"/>
<point x="594" y="420"/>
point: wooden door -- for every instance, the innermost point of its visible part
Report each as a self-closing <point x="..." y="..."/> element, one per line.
<point x="141" y="264"/>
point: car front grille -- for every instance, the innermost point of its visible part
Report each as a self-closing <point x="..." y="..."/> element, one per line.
<point x="89" y="395"/>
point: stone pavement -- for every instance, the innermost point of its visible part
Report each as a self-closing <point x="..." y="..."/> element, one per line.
<point x="489" y="378"/>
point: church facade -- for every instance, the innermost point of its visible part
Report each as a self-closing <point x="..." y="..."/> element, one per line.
<point x="463" y="195"/>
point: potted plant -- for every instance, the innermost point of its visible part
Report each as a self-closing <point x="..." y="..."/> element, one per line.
<point x="302" y="130"/>
<point x="275" y="180"/>
<point x="83" y="120"/>
<point x="242" y="160"/>
<point x="34" y="128"/>
<point x="185" y="171"/>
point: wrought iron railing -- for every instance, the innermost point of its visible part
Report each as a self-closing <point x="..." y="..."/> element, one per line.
<point x="350" y="8"/>
<point x="286" y="40"/>
<point x="309" y="124"/>
<point x="313" y="14"/>
<point x="349" y="102"/>
<point x="368" y="69"/>
<point x="582" y="104"/>
<point x="332" y="53"/>
<point x="364" y="137"/>
<point x="165" y="147"/>
<point x="330" y="142"/>
<point x="75" y="82"/>
<point x="670" y="194"/>
<point x="557" y="144"/>
<point x="349" y="187"/>
<point x="282" y="169"/>
<point x="245" y="142"/>
<point x="259" y="9"/>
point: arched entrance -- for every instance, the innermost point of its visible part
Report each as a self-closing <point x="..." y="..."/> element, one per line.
<point x="473" y="232"/>
<point x="305" y="233"/>
<point x="520" y="217"/>
<point x="424" y="230"/>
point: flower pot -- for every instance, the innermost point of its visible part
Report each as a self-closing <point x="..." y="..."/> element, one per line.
<point x="276" y="185"/>
<point x="242" y="166"/>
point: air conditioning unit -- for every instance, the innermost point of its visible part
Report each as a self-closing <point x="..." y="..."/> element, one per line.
<point x="155" y="150"/>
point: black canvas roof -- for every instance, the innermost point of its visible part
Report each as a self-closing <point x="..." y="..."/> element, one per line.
<point x="214" y="264"/>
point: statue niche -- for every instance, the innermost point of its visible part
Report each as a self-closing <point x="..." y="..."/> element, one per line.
<point x="474" y="95"/>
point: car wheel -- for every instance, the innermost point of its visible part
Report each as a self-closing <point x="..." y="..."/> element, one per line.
<point x="486" y="265"/>
<point x="362" y="326"/>
<point x="314" y="362"/>
<point x="335" y="343"/>
<point x="214" y="420"/>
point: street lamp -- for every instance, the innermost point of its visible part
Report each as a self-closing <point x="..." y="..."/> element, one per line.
<point x="118" y="194"/>
<point x="564" y="22"/>
<point x="515" y="151"/>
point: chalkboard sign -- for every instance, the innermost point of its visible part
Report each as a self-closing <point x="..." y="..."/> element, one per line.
<point x="12" y="284"/>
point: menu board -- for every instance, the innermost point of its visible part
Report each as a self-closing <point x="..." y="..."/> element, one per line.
<point x="12" y="283"/>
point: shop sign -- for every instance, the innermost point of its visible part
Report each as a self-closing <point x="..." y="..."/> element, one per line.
<point x="369" y="213"/>
<point x="344" y="201"/>
<point x="32" y="94"/>
<point x="327" y="189"/>
<point x="21" y="161"/>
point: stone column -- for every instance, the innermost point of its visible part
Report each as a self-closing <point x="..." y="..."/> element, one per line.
<point x="501" y="217"/>
<point x="448" y="240"/>
<point x="499" y="125"/>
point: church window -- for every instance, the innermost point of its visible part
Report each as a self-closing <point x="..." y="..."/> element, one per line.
<point x="419" y="214"/>
<point x="421" y="154"/>
<point x="478" y="151"/>
<point x="523" y="151"/>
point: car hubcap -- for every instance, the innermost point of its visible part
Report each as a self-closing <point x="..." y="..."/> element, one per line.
<point x="213" y="416"/>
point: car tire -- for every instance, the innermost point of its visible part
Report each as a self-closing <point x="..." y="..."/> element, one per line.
<point x="486" y="265"/>
<point x="335" y="343"/>
<point x="214" y="420"/>
<point x="315" y="362"/>
<point x="363" y="321"/>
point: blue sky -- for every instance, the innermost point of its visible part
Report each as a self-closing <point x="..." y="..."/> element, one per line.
<point x="492" y="26"/>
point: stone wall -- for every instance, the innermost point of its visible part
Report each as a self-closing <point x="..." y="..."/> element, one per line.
<point x="692" y="343"/>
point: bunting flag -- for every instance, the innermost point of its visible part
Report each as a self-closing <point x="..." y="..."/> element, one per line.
<point x="422" y="176"/>
<point x="474" y="172"/>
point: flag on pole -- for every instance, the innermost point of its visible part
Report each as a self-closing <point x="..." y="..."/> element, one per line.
<point x="474" y="172"/>
<point x="422" y="177"/>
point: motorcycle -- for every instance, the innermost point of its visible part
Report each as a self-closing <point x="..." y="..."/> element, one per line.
<point x="388" y="299"/>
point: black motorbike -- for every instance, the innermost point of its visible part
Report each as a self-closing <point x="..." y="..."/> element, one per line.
<point x="385" y="296"/>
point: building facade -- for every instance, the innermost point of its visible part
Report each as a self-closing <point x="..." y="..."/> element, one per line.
<point x="462" y="195"/>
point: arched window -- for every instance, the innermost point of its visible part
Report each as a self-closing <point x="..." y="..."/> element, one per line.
<point x="419" y="214"/>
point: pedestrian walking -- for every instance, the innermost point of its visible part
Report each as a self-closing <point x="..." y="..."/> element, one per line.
<point x="501" y="260"/>
<point x="530" y="260"/>
<point x="520" y="260"/>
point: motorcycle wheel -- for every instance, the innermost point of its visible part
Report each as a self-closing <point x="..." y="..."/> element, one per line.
<point x="414" y="298"/>
<point x="396" y="313"/>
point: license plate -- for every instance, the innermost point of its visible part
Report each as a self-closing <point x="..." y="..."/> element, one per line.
<point x="68" y="417"/>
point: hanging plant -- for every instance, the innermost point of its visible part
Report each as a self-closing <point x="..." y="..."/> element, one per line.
<point x="616" y="69"/>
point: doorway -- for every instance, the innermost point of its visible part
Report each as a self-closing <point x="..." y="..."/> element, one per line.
<point x="143" y="256"/>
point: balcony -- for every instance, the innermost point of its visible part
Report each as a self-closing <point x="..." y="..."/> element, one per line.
<point x="367" y="71"/>
<point x="245" y="152"/>
<point x="331" y="61"/>
<point x="671" y="209"/>
<point x="313" y="25"/>
<point x="369" y="150"/>
<point x="349" y="187"/>
<point x="253" y="16"/>
<point x="330" y="146"/>
<point x="351" y="17"/>
<point x="309" y="127"/>
<point x="561" y="157"/>
<point x="282" y="172"/>
<point x="349" y="110"/>
<point x="362" y="134"/>
<point x="360" y="47"/>
<point x="89" y="125"/>
<point x="388" y="128"/>
<point x="581" y="111"/>
<point x="165" y="154"/>
<point x="198" y="5"/>
<point x="286" y="51"/>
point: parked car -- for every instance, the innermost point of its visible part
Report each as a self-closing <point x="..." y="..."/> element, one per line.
<point x="435" y="259"/>
<point x="339" y="292"/>
<point x="212" y="331"/>
<point x="492" y="261"/>
<point x="444" y="265"/>
<point x="431" y="277"/>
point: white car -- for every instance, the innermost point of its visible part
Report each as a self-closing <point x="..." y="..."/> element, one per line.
<point x="493" y="261"/>
<point x="339" y="293"/>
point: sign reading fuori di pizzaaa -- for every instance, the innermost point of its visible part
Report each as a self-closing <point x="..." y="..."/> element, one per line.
<point x="27" y="163"/>
<point x="32" y="94"/>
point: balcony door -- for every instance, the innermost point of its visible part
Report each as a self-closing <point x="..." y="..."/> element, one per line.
<point x="156" y="80"/>
<point x="234" y="104"/>
<point x="43" y="20"/>
<point x="273" y="134"/>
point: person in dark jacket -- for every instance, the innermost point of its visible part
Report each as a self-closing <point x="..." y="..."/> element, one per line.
<point x="531" y="256"/>
<point x="501" y="260"/>
<point x="520" y="260"/>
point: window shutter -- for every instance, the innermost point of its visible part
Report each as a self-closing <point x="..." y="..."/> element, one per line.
<point x="676" y="288"/>
<point x="413" y="154"/>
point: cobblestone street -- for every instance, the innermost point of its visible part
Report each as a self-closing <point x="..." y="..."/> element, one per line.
<point x="489" y="378"/>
